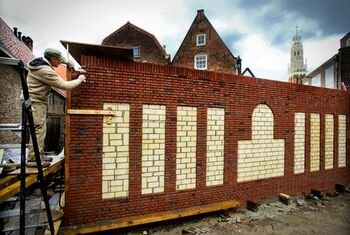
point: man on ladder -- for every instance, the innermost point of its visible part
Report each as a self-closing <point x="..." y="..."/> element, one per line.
<point x="40" y="79"/>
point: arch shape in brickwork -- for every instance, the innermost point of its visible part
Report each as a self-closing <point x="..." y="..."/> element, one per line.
<point x="262" y="156"/>
<point x="262" y="122"/>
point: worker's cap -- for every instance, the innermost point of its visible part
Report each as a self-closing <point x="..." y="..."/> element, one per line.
<point x="51" y="52"/>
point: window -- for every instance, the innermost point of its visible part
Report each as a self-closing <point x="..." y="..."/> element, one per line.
<point x="329" y="77"/>
<point x="200" y="39"/>
<point x="316" y="81"/>
<point x="200" y="62"/>
<point x="136" y="51"/>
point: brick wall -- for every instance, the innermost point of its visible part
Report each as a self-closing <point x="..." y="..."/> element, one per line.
<point x="182" y="138"/>
<point x="10" y="111"/>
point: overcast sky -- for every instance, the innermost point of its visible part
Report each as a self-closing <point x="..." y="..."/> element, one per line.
<point x="259" y="31"/>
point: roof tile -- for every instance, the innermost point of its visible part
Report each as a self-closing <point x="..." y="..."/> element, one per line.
<point x="14" y="46"/>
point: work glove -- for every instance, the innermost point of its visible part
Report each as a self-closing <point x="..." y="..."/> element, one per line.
<point x="82" y="78"/>
<point x="78" y="72"/>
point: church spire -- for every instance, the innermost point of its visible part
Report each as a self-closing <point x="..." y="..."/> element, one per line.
<point x="297" y="68"/>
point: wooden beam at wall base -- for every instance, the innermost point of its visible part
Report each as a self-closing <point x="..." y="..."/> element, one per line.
<point x="145" y="219"/>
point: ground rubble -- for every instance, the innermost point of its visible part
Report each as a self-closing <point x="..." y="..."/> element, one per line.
<point x="308" y="214"/>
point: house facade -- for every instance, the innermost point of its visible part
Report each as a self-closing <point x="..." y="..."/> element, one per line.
<point x="203" y="49"/>
<point x="335" y="71"/>
<point x="146" y="47"/>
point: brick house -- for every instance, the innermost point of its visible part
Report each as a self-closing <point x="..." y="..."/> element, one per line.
<point x="15" y="45"/>
<point x="202" y="48"/>
<point x="335" y="70"/>
<point x="146" y="47"/>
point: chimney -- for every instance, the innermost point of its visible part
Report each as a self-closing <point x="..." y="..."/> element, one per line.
<point x="19" y="36"/>
<point x="200" y="13"/>
<point x="239" y="65"/>
<point x="28" y="42"/>
<point x="15" y="31"/>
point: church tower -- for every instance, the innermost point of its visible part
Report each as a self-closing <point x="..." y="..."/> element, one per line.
<point x="297" y="67"/>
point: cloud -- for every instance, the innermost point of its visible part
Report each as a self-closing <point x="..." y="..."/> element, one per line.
<point x="264" y="60"/>
<point x="91" y="21"/>
<point x="320" y="50"/>
<point x="332" y="16"/>
<point x="260" y="31"/>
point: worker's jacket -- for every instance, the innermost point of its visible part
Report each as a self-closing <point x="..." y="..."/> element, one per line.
<point x="42" y="77"/>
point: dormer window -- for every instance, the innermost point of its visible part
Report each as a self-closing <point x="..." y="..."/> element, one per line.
<point x="200" y="62"/>
<point x="136" y="50"/>
<point x="200" y="40"/>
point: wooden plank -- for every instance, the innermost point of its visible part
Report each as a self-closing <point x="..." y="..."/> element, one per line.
<point x="151" y="218"/>
<point x="63" y="200"/>
<point x="14" y="188"/>
<point x="90" y="112"/>
<point x="7" y="180"/>
<point x="284" y="198"/>
<point x="56" y="225"/>
<point x="67" y="135"/>
<point x="56" y="215"/>
<point x="57" y="160"/>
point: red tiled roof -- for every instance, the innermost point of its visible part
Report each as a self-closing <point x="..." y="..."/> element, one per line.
<point x="20" y="51"/>
<point x="14" y="46"/>
<point x="128" y="24"/>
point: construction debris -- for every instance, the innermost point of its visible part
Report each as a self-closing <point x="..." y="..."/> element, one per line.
<point x="340" y="188"/>
<point x="267" y="219"/>
<point x="318" y="193"/>
<point x="347" y="189"/>
<point x="253" y="206"/>
<point x="284" y="198"/>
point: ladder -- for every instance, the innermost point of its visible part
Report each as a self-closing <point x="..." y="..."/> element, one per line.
<point x="27" y="116"/>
